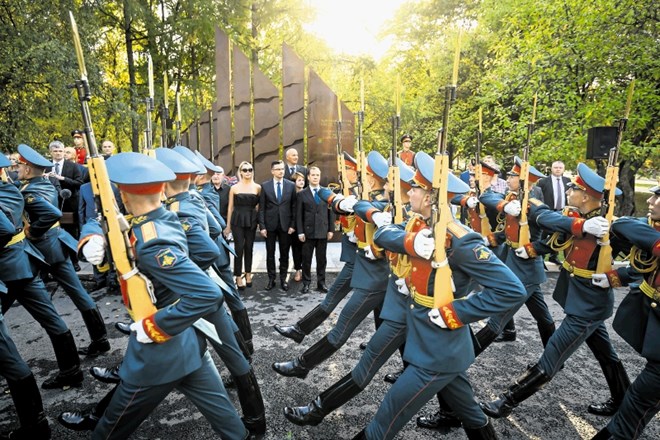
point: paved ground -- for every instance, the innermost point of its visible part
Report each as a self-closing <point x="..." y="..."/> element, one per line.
<point x="557" y="412"/>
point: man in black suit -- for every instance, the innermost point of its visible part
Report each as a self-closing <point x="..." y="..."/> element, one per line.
<point x="69" y="176"/>
<point x="553" y="188"/>
<point x="315" y="223"/>
<point x="291" y="164"/>
<point x="277" y="208"/>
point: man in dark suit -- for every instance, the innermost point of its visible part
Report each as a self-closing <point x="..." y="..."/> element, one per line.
<point x="291" y="164"/>
<point x="554" y="193"/>
<point x="315" y="224"/>
<point x="277" y="208"/>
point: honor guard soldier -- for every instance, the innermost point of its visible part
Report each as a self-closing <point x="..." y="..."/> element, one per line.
<point x="575" y="232"/>
<point x="407" y="155"/>
<point x="438" y="342"/>
<point x="56" y="244"/>
<point x="637" y="320"/>
<point x="343" y="206"/>
<point x="390" y="335"/>
<point x="368" y="288"/>
<point x="164" y="350"/>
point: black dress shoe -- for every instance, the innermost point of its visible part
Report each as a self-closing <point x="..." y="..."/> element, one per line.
<point x="106" y="375"/>
<point x="96" y="348"/>
<point x="393" y="377"/>
<point x="78" y="421"/>
<point x="321" y="288"/>
<point x="506" y="336"/>
<point x="72" y="379"/>
<point x="439" y="420"/>
<point x="270" y="285"/>
<point x="291" y="332"/>
<point x="76" y="267"/>
<point x="305" y="288"/>
<point x="291" y="369"/>
<point x="363" y="345"/>
<point x="285" y="285"/>
<point x="607" y="408"/>
<point x="123" y="327"/>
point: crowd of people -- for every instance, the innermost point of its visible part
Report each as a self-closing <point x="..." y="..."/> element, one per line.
<point x="184" y="213"/>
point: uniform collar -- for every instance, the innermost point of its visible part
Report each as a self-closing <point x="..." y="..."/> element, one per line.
<point x="178" y="197"/>
<point x="140" y="219"/>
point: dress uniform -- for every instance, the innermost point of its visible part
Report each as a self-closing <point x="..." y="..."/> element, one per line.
<point x="342" y="284"/>
<point x="389" y="337"/>
<point x="586" y="305"/>
<point x="637" y="321"/>
<point x="368" y="289"/>
<point x="164" y="351"/>
<point x="19" y="260"/>
<point x="57" y="245"/>
<point x="440" y="351"/>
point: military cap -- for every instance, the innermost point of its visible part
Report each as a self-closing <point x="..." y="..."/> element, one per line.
<point x="30" y="157"/>
<point x="192" y="157"/>
<point x="489" y="168"/>
<point x="377" y="165"/>
<point x="587" y="180"/>
<point x="181" y="166"/>
<point x="534" y="174"/>
<point x="210" y="166"/>
<point x="655" y="190"/>
<point x="405" y="173"/>
<point x="4" y="162"/>
<point x="77" y="133"/>
<point x="137" y="173"/>
<point x="423" y="177"/>
<point x="406" y="136"/>
<point x="349" y="161"/>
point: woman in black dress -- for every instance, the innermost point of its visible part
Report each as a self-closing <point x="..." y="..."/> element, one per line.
<point x="242" y="214"/>
<point x="296" y="245"/>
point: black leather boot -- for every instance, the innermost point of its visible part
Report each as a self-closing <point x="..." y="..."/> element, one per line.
<point x="30" y="410"/>
<point x="305" y="326"/>
<point x="529" y="383"/>
<point x="484" y="433"/>
<point x="546" y="331"/>
<point x="442" y="419"/>
<point x="243" y="346"/>
<point x="618" y="382"/>
<point x="506" y="336"/>
<point x="301" y="366"/>
<point x="68" y="362"/>
<point x="97" y="333"/>
<point x="603" y="434"/>
<point x="106" y="375"/>
<point x="360" y="436"/>
<point x="329" y="400"/>
<point x="242" y="321"/>
<point x="482" y="339"/>
<point x="86" y="420"/>
<point x="252" y="403"/>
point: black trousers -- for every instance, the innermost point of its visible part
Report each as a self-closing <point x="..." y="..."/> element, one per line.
<point x="296" y="251"/>
<point x="243" y="245"/>
<point x="284" y="240"/>
<point x="319" y="247"/>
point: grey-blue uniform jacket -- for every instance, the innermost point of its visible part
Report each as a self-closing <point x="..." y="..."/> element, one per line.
<point x="368" y="274"/>
<point x="347" y="220"/>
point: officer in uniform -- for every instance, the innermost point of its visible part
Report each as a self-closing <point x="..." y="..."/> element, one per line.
<point x="637" y="320"/>
<point x="343" y="206"/>
<point x="438" y="341"/>
<point x="368" y="288"/>
<point x="586" y="305"/>
<point x="18" y="260"/>
<point x="56" y="244"/>
<point x="389" y="336"/>
<point x="164" y="351"/>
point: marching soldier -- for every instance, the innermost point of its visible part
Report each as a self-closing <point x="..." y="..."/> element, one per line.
<point x="637" y="320"/>
<point x="586" y="305"/>
<point x="438" y="347"/>
<point x="56" y="244"/>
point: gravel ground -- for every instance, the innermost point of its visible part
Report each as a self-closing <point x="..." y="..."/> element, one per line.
<point x="557" y="412"/>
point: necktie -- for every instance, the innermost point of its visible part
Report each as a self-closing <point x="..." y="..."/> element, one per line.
<point x="57" y="168"/>
<point x="317" y="199"/>
<point x="292" y="170"/>
<point x="559" y="196"/>
<point x="279" y="191"/>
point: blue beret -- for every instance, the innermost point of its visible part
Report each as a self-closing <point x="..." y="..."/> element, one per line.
<point x="533" y="172"/>
<point x="588" y="180"/>
<point x="405" y="172"/>
<point x="377" y="165"/>
<point x="4" y="162"/>
<point x="31" y="157"/>
<point x="425" y="165"/>
<point x="192" y="157"/>
<point x="207" y="163"/>
<point x="137" y="169"/>
<point x="176" y="162"/>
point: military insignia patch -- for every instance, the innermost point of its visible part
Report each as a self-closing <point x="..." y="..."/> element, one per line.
<point x="482" y="253"/>
<point x="185" y="224"/>
<point x="29" y="199"/>
<point x="166" y="258"/>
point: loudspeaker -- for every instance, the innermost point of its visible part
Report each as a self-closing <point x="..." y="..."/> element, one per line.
<point x="599" y="142"/>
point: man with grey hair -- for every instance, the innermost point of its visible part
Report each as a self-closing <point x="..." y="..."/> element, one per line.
<point x="70" y="177"/>
<point x="221" y="186"/>
<point x="291" y="164"/>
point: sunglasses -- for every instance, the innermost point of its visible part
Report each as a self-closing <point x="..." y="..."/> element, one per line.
<point x="247" y="170"/>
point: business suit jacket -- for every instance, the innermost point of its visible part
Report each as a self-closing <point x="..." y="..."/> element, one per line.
<point x="296" y="169"/>
<point x="73" y="179"/>
<point x="277" y="215"/>
<point x="547" y="185"/>
<point x="312" y="219"/>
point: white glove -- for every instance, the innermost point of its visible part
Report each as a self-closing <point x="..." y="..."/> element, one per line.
<point x="472" y="202"/>
<point x="486" y="241"/>
<point x="402" y="287"/>
<point x="513" y="208"/>
<point x="521" y="252"/>
<point x="600" y="280"/>
<point x="94" y="250"/>
<point x="424" y="244"/>
<point x="436" y="318"/>
<point x="597" y="226"/>
<point x="382" y="219"/>
<point x="140" y="334"/>
<point x="352" y="237"/>
<point x="347" y="203"/>
<point x="369" y="253"/>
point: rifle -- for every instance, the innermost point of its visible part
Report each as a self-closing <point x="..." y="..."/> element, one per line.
<point x="138" y="291"/>
<point x="609" y="189"/>
<point x="165" y="113"/>
<point x="394" y="176"/>
<point x="480" y="208"/>
<point x="149" y="101"/>
<point x="344" y="185"/>
<point x="359" y="157"/>
<point x="523" y="235"/>
<point x="443" y="285"/>
<point x="177" y="122"/>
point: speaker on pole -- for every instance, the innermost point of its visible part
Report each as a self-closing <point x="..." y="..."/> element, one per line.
<point x="599" y="142"/>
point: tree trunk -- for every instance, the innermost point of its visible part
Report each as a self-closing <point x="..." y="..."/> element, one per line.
<point x="627" y="170"/>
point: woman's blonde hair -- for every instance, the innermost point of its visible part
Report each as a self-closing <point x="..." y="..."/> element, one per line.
<point x="242" y="164"/>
